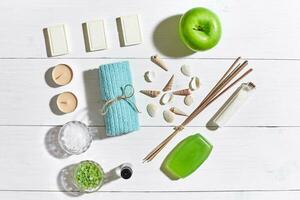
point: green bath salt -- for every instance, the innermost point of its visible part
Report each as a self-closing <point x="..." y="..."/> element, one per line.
<point x="88" y="176"/>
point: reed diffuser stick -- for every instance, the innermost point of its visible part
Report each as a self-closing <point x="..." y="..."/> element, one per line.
<point x="216" y="92"/>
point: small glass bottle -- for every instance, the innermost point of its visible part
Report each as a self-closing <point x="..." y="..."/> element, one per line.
<point x="231" y="106"/>
<point x="124" y="171"/>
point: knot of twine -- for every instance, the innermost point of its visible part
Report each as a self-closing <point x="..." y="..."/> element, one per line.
<point x="124" y="96"/>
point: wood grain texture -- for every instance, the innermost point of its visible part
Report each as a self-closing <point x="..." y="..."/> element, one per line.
<point x="30" y="195"/>
<point x="242" y="159"/>
<point x="25" y="92"/>
<point x="254" y="157"/>
<point x="254" y="29"/>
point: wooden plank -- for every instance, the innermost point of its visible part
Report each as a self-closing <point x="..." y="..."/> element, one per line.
<point x="248" y="29"/>
<point x="242" y="159"/>
<point x="249" y="160"/>
<point x="26" y="95"/>
<point x="288" y="195"/>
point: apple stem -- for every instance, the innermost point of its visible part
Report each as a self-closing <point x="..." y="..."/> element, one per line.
<point x="198" y="28"/>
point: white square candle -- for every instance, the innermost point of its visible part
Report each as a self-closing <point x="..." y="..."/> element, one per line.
<point x="130" y="29"/>
<point x="56" y="40"/>
<point x="95" y="35"/>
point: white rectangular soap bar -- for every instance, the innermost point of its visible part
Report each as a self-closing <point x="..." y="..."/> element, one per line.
<point x="95" y="35"/>
<point x="131" y="30"/>
<point x="56" y="40"/>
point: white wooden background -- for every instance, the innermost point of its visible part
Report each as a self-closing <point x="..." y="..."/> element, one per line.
<point x="255" y="157"/>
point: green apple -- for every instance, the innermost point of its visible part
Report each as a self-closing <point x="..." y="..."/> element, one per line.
<point x="200" y="29"/>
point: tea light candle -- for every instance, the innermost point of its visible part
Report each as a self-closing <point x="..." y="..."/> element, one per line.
<point x="62" y="74"/>
<point x="66" y="102"/>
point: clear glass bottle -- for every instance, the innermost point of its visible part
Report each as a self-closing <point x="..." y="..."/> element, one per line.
<point x="231" y="106"/>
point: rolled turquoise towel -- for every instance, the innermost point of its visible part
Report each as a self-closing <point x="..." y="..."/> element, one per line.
<point x="121" y="116"/>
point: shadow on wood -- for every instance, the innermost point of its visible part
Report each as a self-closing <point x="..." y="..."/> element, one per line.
<point x="92" y="95"/>
<point x="111" y="176"/>
<point x="119" y="28"/>
<point x="211" y="125"/>
<point x="65" y="181"/>
<point x="46" y="39"/>
<point x="53" y="106"/>
<point x="166" y="38"/>
<point x="49" y="79"/>
<point x="52" y="145"/>
<point x="94" y="103"/>
<point x="98" y="133"/>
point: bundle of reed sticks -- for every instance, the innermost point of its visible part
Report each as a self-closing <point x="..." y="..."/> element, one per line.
<point x="215" y="93"/>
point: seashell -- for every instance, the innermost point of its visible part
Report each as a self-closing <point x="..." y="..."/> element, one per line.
<point x="186" y="70"/>
<point x="177" y="111"/>
<point x="158" y="61"/>
<point x="169" y="84"/>
<point x="183" y="92"/>
<point x="188" y="100"/>
<point x="168" y="116"/>
<point x="152" y="109"/>
<point x="194" y="83"/>
<point x="150" y="76"/>
<point x="150" y="93"/>
<point x="166" y="98"/>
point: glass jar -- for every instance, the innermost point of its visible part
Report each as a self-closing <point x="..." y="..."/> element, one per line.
<point x="88" y="176"/>
<point x="74" y="137"/>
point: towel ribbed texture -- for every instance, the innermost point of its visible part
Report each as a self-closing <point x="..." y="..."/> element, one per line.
<point x="121" y="118"/>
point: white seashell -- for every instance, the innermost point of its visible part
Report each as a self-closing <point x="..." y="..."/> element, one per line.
<point x="188" y="100"/>
<point x="177" y="111"/>
<point x="186" y="70"/>
<point x="150" y="76"/>
<point x="169" y="84"/>
<point x="183" y="92"/>
<point x="168" y="116"/>
<point x="194" y="83"/>
<point x="158" y="61"/>
<point x="152" y="109"/>
<point x="166" y="98"/>
<point x="150" y="93"/>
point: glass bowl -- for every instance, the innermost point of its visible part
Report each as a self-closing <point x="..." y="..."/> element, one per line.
<point x="74" y="137"/>
<point x="88" y="176"/>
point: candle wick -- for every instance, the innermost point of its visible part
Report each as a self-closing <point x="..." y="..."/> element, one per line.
<point x="58" y="76"/>
<point x="63" y="102"/>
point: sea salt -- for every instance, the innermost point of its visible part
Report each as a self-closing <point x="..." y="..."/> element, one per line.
<point x="74" y="137"/>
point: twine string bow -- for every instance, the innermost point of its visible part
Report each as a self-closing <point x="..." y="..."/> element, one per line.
<point x="127" y="93"/>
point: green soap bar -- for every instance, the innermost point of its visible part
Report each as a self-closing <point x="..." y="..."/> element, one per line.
<point x="186" y="157"/>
